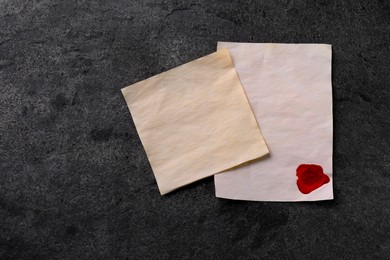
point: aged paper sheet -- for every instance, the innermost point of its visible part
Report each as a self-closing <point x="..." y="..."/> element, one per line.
<point x="194" y="121"/>
<point x="289" y="88"/>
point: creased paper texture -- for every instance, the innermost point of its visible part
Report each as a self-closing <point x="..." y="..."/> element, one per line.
<point x="289" y="89"/>
<point x="194" y="121"/>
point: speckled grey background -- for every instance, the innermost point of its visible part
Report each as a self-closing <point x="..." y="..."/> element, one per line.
<point x="75" y="182"/>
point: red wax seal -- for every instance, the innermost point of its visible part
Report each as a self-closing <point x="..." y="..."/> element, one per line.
<point x="310" y="177"/>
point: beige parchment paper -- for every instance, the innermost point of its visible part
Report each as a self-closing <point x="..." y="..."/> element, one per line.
<point x="290" y="90"/>
<point x="194" y="121"/>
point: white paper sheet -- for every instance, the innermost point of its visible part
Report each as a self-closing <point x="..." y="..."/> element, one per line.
<point x="289" y="89"/>
<point x="194" y="121"/>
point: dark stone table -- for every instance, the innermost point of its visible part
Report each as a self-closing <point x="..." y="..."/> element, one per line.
<point x="75" y="182"/>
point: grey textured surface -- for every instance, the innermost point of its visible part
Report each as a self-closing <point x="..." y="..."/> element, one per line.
<point x="75" y="182"/>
